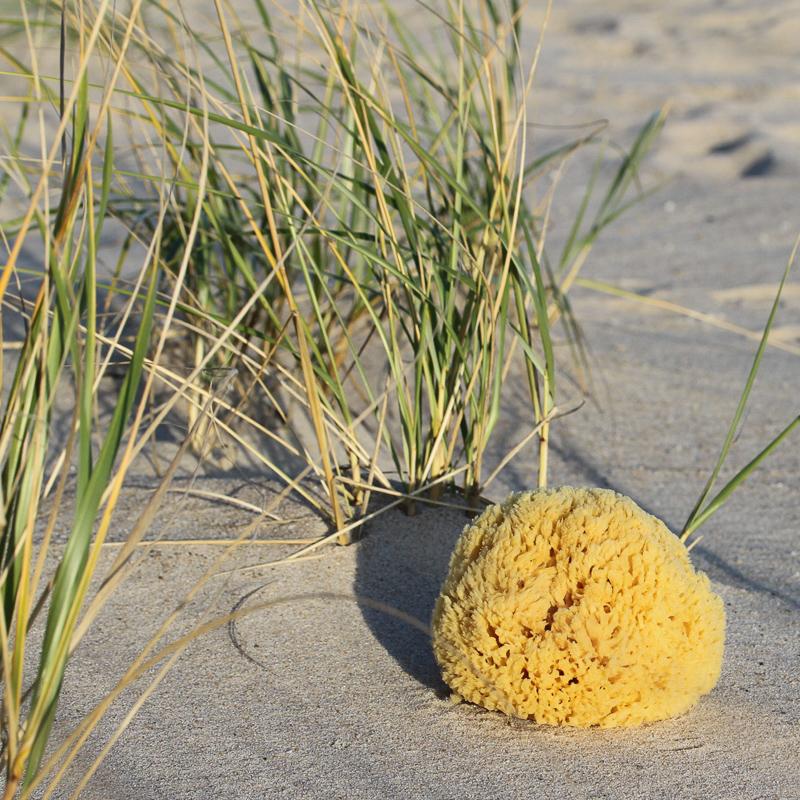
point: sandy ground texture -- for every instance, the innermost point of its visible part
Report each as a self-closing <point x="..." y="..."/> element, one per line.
<point x="727" y="68"/>
<point x="318" y="696"/>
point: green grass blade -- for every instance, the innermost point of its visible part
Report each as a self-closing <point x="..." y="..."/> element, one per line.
<point x="715" y="504"/>
<point x="691" y="522"/>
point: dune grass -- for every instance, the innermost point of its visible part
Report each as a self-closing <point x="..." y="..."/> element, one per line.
<point x="422" y="249"/>
<point x="317" y="236"/>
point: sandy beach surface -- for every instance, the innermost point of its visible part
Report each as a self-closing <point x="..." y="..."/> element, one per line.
<point x="320" y="696"/>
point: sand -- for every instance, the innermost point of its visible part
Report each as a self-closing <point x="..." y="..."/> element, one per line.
<point x="727" y="69"/>
<point x="323" y="697"/>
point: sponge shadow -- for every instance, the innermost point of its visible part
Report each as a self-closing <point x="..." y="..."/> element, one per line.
<point x="402" y="563"/>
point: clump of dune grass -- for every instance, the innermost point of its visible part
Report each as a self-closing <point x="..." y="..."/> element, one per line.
<point x="384" y="187"/>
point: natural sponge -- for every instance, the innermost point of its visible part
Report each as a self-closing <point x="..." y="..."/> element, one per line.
<point x="575" y="607"/>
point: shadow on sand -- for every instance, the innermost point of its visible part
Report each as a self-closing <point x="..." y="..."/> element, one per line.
<point x="402" y="563"/>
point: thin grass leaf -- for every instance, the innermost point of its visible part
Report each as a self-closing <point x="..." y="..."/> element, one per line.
<point x="698" y="512"/>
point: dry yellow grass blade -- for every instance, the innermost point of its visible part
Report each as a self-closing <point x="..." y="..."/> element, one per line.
<point x="684" y="311"/>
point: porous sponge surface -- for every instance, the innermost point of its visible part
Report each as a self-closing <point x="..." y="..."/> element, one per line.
<point x="576" y="607"/>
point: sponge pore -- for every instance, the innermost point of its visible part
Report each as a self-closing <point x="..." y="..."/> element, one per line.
<point x="576" y="607"/>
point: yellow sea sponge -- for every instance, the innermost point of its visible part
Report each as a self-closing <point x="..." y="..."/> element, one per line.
<point x="575" y="607"/>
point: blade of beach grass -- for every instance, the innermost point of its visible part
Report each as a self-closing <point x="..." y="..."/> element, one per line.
<point x="612" y="206"/>
<point x="724" y="494"/>
<point x="72" y="575"/>
<point x="666" y="305"/>
<point x="702" y="510"/>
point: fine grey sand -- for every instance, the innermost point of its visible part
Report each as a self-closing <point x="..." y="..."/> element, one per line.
<point x="322" y="697"/>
